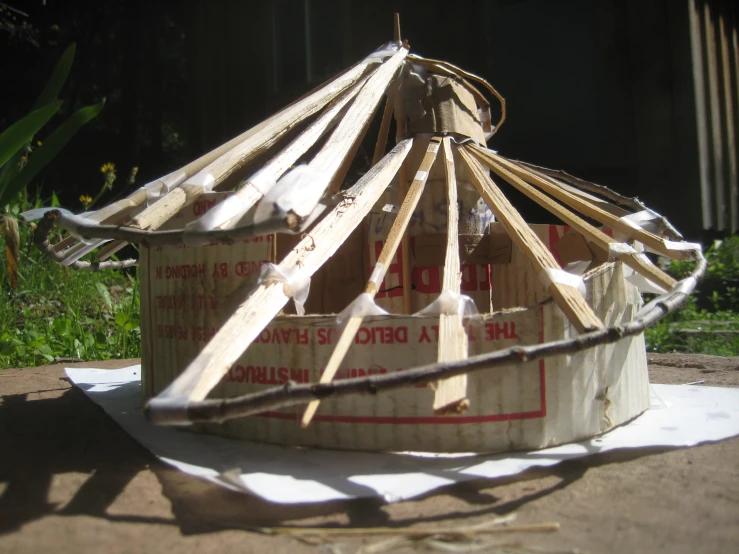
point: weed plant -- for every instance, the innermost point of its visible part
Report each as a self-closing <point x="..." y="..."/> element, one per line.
<point x="58" y="314"/>
<point x="709" y="323"/>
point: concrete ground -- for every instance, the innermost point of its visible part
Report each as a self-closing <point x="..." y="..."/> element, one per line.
<point x="72" y="481"/>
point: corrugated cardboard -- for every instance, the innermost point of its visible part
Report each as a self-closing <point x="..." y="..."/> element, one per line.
<point x="447" y="107"/>
<point x="188" y="292"/>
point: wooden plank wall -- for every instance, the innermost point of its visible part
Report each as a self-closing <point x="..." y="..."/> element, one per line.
<point x="715" y="57"/>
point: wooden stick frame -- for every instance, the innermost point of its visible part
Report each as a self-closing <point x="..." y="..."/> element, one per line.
<point x="285" y="396"/>
<point x="264" y="302"/>
<point x="603" y="241"/>
<point x="183" y="400"/>
<point x="633" y="232"/>
<point x="389" y="249"/>
<point x="450" y="395"/>
<point x="567" y="297"/>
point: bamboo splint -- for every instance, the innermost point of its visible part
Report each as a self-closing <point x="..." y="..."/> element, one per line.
<point x="401" y="129"/>
<point x="339" y="144"/>
<point x="266" y="136"/>
<point x="119" y="212"/>
<point x="187" y="292"/>
<point x="387" y="254"/>
<point x="253" y="189"/>
<point x="451" y="394"/>
<point x="260" y="307"/>
<point x="567" y="297"/>
<point x="634" y="260"/>
<point x="628" y="229"/>
<point x="381" y="143"/>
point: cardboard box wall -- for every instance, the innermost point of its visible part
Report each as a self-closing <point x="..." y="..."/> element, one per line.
<point x="187" y="293"/>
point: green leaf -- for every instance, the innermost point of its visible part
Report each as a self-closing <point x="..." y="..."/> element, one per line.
<point x="58" y="78"/>
<point x="62" y="326"/>
<point x="20" y="132"/>
<point x="121" y="318"/>
<point x="45" y="350"/>
<point x="48" y="95"/>
<point x="51" y="147"/>
<point x="55" y="201"/>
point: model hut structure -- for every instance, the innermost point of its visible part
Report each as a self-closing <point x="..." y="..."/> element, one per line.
<point x="460" y="326"/>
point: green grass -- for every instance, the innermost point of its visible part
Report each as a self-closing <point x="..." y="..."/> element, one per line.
<point x="709" y="323"/>
<point x="57" y="313"/>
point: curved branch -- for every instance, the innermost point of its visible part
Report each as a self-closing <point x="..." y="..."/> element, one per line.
<point x="41" y="239"/>
<point x="175" y="411"/>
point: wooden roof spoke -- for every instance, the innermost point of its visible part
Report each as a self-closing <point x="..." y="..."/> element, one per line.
<point x="567" y="297"/>
<point x="389" y="249"/>
<point x="328" y="162"/>
<point x="550" y="186"/>
<point x="451" y="394"/>
<point x="259" y="140"/>
<point x="264" y="302"/>
<point x="632" y="259"/>
<point x="254" y="188"/>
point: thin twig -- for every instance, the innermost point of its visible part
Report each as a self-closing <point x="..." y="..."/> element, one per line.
<point x="459" y="532"/>
<point x="176" y="411"/>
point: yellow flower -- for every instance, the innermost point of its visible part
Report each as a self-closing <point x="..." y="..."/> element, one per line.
<point x="85" y="199"/>
<point x="108" y="168"/>
<point x="39" y="143"/>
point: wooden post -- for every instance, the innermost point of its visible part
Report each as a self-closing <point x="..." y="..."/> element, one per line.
<point x="381" y="143"/>
<point x="451" y="394"/>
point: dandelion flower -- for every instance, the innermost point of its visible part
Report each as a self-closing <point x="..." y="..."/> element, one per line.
<point x="85" y="199"/>
<point x="108" y="168"/>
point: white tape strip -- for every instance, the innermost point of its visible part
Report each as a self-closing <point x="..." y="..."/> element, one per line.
<point x="154" y="191"/>
<point x="484" y="115"/>
<point x="382" y="53"/>
<point x="420" y="175"/>
<point x="378" y="274"/>
<point x="362" y="306"/>
<point x="206" y="181"/>
<point x="682" y="245"/>
<point x="623" y="236"/>
<point x="644" y="284"/>
<point x="230" y="208"/>
<point x="390" y="208"/>
<point x="451" y="303"/>
<point x="561" y="277"/>
<point x="263" y="180"/>
<point x="433" y="147"/>
<point x="284" y="195"/>
<point x="616" y="249"/>
<point x="294" y="284"/>
<point x="642" y="216"/>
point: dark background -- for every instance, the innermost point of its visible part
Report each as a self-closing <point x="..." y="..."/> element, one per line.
<point x="602" y="89"/>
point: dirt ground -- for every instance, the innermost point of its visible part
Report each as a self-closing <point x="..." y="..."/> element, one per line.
<point x="72" y="481"/>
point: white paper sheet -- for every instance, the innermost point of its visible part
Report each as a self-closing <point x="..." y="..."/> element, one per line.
<point x="681" y="416"/>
